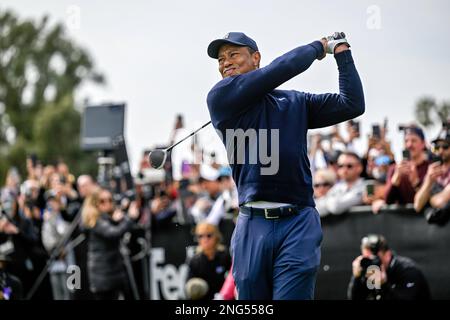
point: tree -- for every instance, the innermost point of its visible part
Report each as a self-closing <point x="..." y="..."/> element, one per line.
<point x="56" y="133"/>
<point x="429" y="113"/>
<point x="40" y="70"/>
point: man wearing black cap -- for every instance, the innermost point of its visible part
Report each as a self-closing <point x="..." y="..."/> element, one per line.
<point x="276" y="242"/>
<point x="435" y="189"/>
<point x="406" y="177"/>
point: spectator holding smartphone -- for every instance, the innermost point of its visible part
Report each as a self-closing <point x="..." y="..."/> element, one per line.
<point x="406" y="177"/>
<point x="435" y="190"/>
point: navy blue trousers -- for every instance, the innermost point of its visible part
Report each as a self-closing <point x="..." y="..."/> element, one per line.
<point x="276" y="259"/>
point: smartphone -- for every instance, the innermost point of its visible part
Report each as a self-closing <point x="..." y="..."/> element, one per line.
<point x="435" y="158"/>
<point x="354" y="125"/>
<point x="376" y="133"/>
<point x="405" y="154"/>
<point x="370" y="188"/>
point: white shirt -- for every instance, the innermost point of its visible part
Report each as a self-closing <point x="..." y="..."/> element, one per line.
<point x="340" y="198"/>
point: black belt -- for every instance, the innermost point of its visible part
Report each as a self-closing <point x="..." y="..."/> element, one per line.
<point x="270" y="213"/>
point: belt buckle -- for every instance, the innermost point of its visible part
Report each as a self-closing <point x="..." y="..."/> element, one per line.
<point x="266" y="215"/>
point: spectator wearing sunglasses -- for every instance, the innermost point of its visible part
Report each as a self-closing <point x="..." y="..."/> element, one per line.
<point x="348" y="191"/>
<point x="323" y="180"/>
<point x="406" y="177"/>
<point x="211" y="261"/>
<point x="106" y="226"/>
<point x="435" y="190"/>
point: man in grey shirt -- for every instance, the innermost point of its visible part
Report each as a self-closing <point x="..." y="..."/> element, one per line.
<point x="348" y="192"/>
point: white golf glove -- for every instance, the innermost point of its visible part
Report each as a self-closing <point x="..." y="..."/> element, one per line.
<point x="335" y="39"/>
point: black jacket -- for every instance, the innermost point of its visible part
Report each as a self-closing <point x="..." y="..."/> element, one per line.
<point x="212" y="271"/>
<point x="106" y="270"/>
<point x="405" y="281"/>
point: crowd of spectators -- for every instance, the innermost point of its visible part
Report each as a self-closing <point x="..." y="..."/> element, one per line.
<point x="345" y="176"/>
<point x="52" y="219"/>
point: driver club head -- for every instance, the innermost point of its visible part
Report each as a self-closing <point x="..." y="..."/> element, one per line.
<point x="157" y="158"/>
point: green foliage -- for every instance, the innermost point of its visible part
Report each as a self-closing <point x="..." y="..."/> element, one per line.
<point x="40" y="70"/>
<point x="56" y="134"/>
<point x="429" y="113"/>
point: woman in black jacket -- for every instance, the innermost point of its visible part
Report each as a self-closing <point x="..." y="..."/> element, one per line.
<point x="210" y="263"/>
<point x="106" y="226"/>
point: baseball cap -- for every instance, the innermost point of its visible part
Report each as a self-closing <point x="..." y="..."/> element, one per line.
<point x="375" y="243"/>
<point x="444" y="135"/>
<point x="209" y="173"/>
<point x="415" y="130"/>
<point x="225" y="171"/>
<point x="237" y="38"/>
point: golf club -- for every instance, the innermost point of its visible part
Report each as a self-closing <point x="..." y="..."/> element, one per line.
<point x="158" y="157"/>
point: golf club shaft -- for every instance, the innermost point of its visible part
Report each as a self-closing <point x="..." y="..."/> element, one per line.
<point x="175" y="144"/>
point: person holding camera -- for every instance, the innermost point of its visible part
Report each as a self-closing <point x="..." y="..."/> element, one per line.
<point x="435" y="191"/>
<point x="106" y="225"/>
<point x="10" y="286"/>
<point x="406" y="177"/>
<point x="19" y="241"/>
<point x="54" y="229"/>
<point x="380" y="274"/>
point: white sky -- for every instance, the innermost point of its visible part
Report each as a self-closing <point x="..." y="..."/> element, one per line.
<point x="153" y="53"/>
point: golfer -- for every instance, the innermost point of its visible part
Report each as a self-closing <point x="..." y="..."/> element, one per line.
<point x="276" y="242"/>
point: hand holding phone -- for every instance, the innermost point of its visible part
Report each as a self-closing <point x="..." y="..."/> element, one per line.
<point x="406" y="155"/>
<point x="370" y="188"/>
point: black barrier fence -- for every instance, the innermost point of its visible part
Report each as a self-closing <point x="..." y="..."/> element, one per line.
<point x="407" y="232"/>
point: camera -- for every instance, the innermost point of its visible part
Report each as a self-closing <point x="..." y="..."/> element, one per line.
<point x="367" y="262"/>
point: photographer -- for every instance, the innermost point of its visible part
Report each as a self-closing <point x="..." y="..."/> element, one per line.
<point x="29" y="201"/>
<point x="54" y="228"/>
<point x="380" y="274"/>
<point x="18" y="239"/>
<point x="435" y="191"/>
<point x="10" y="286"/>
<point x="106" y="225"/>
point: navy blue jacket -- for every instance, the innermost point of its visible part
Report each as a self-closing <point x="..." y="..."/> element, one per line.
<point x="251" y="101"/>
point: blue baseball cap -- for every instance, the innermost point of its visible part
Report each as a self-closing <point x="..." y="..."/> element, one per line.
<point x="416" y="131"/>
<point x="225" y="171"/>
<point x="236" y="38"/>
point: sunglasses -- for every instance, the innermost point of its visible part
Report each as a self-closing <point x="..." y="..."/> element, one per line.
<point x="443" y="146"/>
<point x="348" y="166"/>
<point x="206" y="235"/>
<point x="105" y="200"/>
<point x="325" y="184"/>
